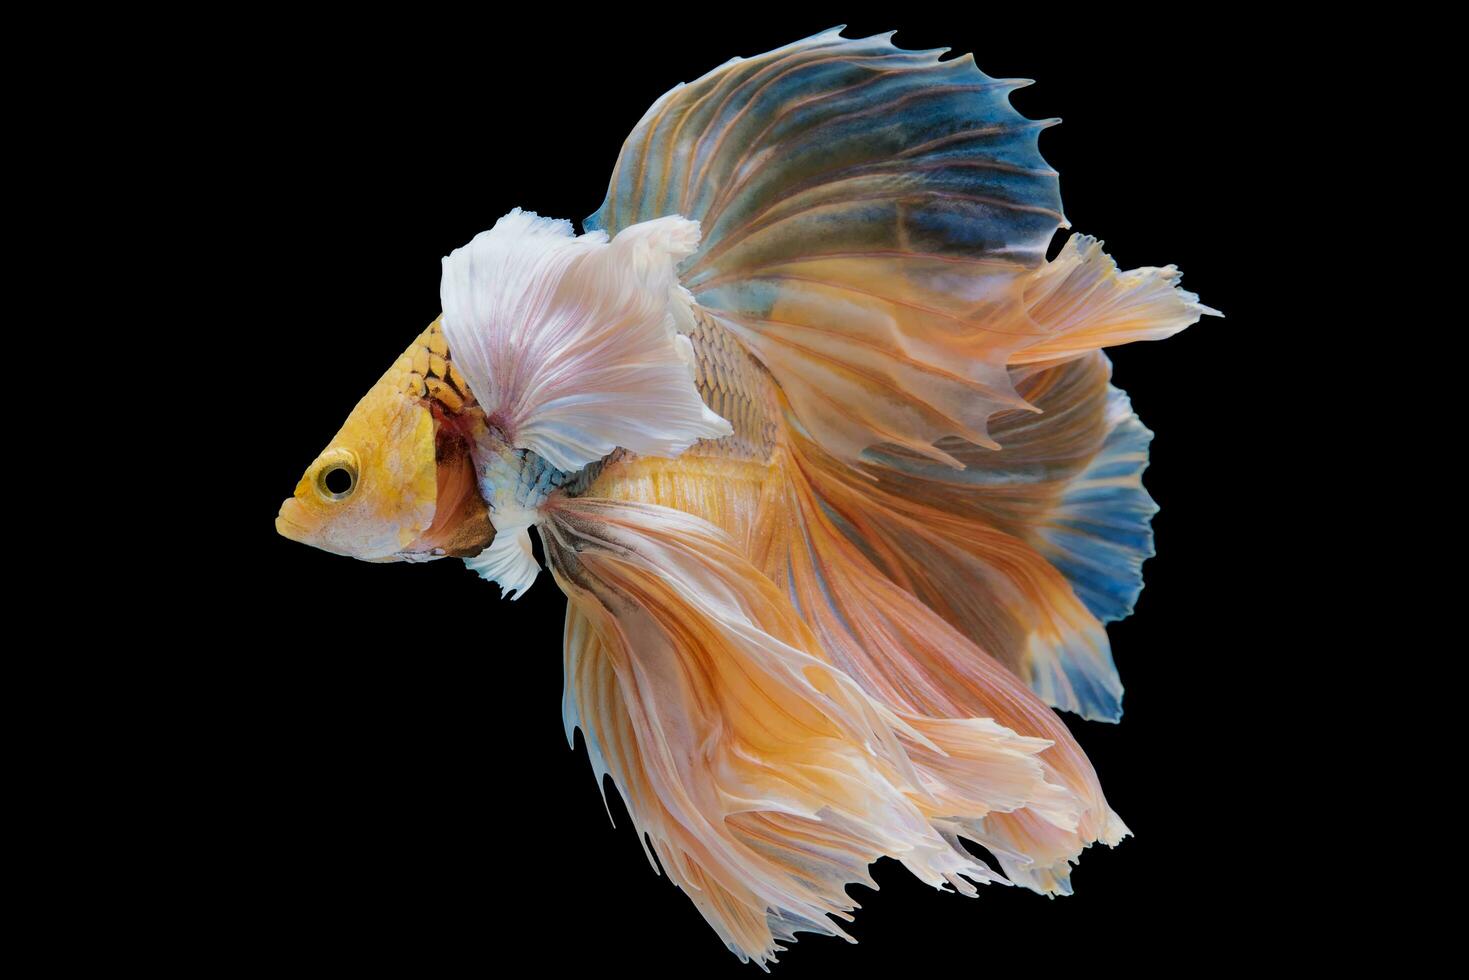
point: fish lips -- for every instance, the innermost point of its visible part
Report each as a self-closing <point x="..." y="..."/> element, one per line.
<point x="288" y="524"/>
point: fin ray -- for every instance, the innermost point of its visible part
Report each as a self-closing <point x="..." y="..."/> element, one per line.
<point x="904" y="654"/>
<point x="848" y="146"/>
<point x="764" y="777"/>
<point x="569" y="342"/>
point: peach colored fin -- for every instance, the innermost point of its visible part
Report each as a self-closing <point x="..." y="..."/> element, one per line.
<point x="762" y="776"/>
<point x="1084" y="303"/>
<point x="907" y="657"/>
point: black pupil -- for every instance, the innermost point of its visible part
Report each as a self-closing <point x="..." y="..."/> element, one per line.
<point x="338" y="480"/>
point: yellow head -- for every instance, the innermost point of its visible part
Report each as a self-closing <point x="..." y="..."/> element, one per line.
<point x="397" y="482"/>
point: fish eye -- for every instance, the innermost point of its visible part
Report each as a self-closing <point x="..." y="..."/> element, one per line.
<point x="338" y="481"/>
<point x="337" y="477"/>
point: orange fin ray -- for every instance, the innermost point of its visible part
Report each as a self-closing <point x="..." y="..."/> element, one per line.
<point x="763" y="776"/>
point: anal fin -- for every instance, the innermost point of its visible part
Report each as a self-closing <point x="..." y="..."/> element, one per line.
<point x="765" y="778"/>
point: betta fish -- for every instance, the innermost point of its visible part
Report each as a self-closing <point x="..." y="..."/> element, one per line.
<point x="822" y="449"/>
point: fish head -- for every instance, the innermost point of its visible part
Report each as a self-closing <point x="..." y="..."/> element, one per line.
<point x="397" y="482"/>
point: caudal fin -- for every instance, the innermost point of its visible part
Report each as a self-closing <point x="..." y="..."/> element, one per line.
<point x="1084" y="303"/>
<point x="857" y="570"/>
<point x="1030" y="548"/>
<point x="875" y="224"/>
<point x="957" y="508"/>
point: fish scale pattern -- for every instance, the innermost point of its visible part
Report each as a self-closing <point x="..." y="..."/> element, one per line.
<point x="733" y="384"/>
<point x="536" y="479"/>
<point x="428" y="371"/>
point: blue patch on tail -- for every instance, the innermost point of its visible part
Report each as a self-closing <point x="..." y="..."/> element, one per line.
<point x="1101" y="531"/>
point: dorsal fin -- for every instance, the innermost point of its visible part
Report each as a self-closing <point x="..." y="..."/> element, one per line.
<point x="869" y="217"/>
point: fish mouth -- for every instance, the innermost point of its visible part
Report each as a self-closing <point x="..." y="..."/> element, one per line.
<point x="294" y="523"/>
<point x="286" y="527"/>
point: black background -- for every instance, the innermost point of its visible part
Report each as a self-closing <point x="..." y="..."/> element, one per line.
<point x="371" y="769"/>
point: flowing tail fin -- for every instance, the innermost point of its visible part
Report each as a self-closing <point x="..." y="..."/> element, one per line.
<point x="1029" y="549"/>
<point x="857" y="574"/>
<point x="960" y="512"/>
<point x="765" y="778"/>
<point x="875" y="224"/>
